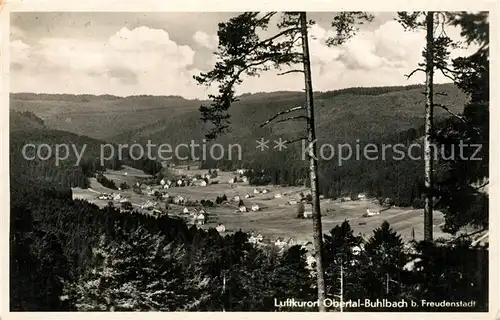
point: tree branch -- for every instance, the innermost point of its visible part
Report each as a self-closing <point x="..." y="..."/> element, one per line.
<point x="442" y="69"/>
<point x="411" y="73"/>
<point x="281" y="113"/>
<point x="292" y="118"/>
<point x="437" y="93"/>
<point x="461" y="118"/>
<point x="271" y="39"/>
<point x="290" y="71"/>
<point x="467" y="235"/>
<point x="483" y="185"/>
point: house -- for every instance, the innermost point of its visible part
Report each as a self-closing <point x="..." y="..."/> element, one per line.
<point x="292" y="202"/>
<point x="310" y="260"/>
<point x="255" y="239"/>
<point x="244" y="179"/>
<point x="265" y="191"/>
<point x="280" y="242"/>
<point x="361" y="196"/>
<point x="165" y="196"/>
<point x="243" y="209"/>
<point x="256" y="191"/>
<point x="347" y="199"/>
<point x="236" y="199"/>
<point x="278" y="195"/>
<point x="321" y="197"/>
<point x="166" y="186"/>
<point x="163" y="182"/>
<point x="185" y="210"/>
<point x="240" y="171"/>
<point x="370" y="213"/>
<point x="247" y="196"/>
<point x="308" y="214"/>
<point x="105" y="196"/>
<point x="178" y="200"/>
<point x="200" y="219"/>
<point x="220" y="228"/>
<point x="410" y="266"/>
<point x="203" y="183"/>
<point x="356" y="250"/>
<point x="252" y="239"/>
<point x="123" y="200"/>
<point x="388" y="202"/>
<point x="179" y="182"/>
<point x="231" y="180"/>
<point x="193" y="213"/>
<point x="147" y="205"/>
<point x="117" y="197"/>
<point x="255" y="207"/>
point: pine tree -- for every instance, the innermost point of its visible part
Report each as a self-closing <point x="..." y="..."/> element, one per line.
<point x="136" y="271"/>
<point x="341" y="258"/>
<point x="460" y="188"/>
<point x="242" y="52"/>
<point x="386" y="255"/>
<point x="411" y="21"/>
<point x="291" y="278"/>
<point x="457" y="196"/>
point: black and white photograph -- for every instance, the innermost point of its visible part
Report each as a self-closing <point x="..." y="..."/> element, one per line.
<point x="255" y="161"/>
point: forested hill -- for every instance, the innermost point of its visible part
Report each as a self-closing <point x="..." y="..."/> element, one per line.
<point x="345" y="114"/>
<point x="80" y="156"/>
<point x="355" y="115"/>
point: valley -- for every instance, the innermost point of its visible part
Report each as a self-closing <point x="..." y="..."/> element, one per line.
<point x="275" y="219"/>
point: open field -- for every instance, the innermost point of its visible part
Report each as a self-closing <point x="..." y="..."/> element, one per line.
<point x="276" y="218"/>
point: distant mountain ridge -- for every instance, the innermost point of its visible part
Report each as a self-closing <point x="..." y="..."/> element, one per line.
<point x="386" y="115"/>
<point x="353" y="112"/>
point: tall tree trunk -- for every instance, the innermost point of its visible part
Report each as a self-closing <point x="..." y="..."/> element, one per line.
<point x="313" y="166"/>
<point x="429" y="75"/>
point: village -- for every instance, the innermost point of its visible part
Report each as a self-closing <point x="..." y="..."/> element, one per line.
<point x="227" y="202"/>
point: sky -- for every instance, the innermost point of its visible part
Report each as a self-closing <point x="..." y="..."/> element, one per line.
<point x="127" y="54"/>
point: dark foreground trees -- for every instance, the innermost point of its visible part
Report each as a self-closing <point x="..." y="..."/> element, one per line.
<point x="455" y="180"/>
<point x="69" y="255"/>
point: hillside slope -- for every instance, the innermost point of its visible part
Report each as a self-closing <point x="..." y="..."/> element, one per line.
<point x="344" y="114"/>
<point x="385" y="115"/>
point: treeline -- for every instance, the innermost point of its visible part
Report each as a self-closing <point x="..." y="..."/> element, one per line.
<point x="61" y="97"/>
<point x="368" y="90"/>
<point x="394" y="171"/>
<point x="69" y="255"/>
<point x="384" y="174"/>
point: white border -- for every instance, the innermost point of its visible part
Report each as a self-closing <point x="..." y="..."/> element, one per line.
<point x="238" y="6"/>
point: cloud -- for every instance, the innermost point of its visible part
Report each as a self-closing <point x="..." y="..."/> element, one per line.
<point x="145" y="60"/>
<point x="205" y="40"/>
<point x="137" y="61"/>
